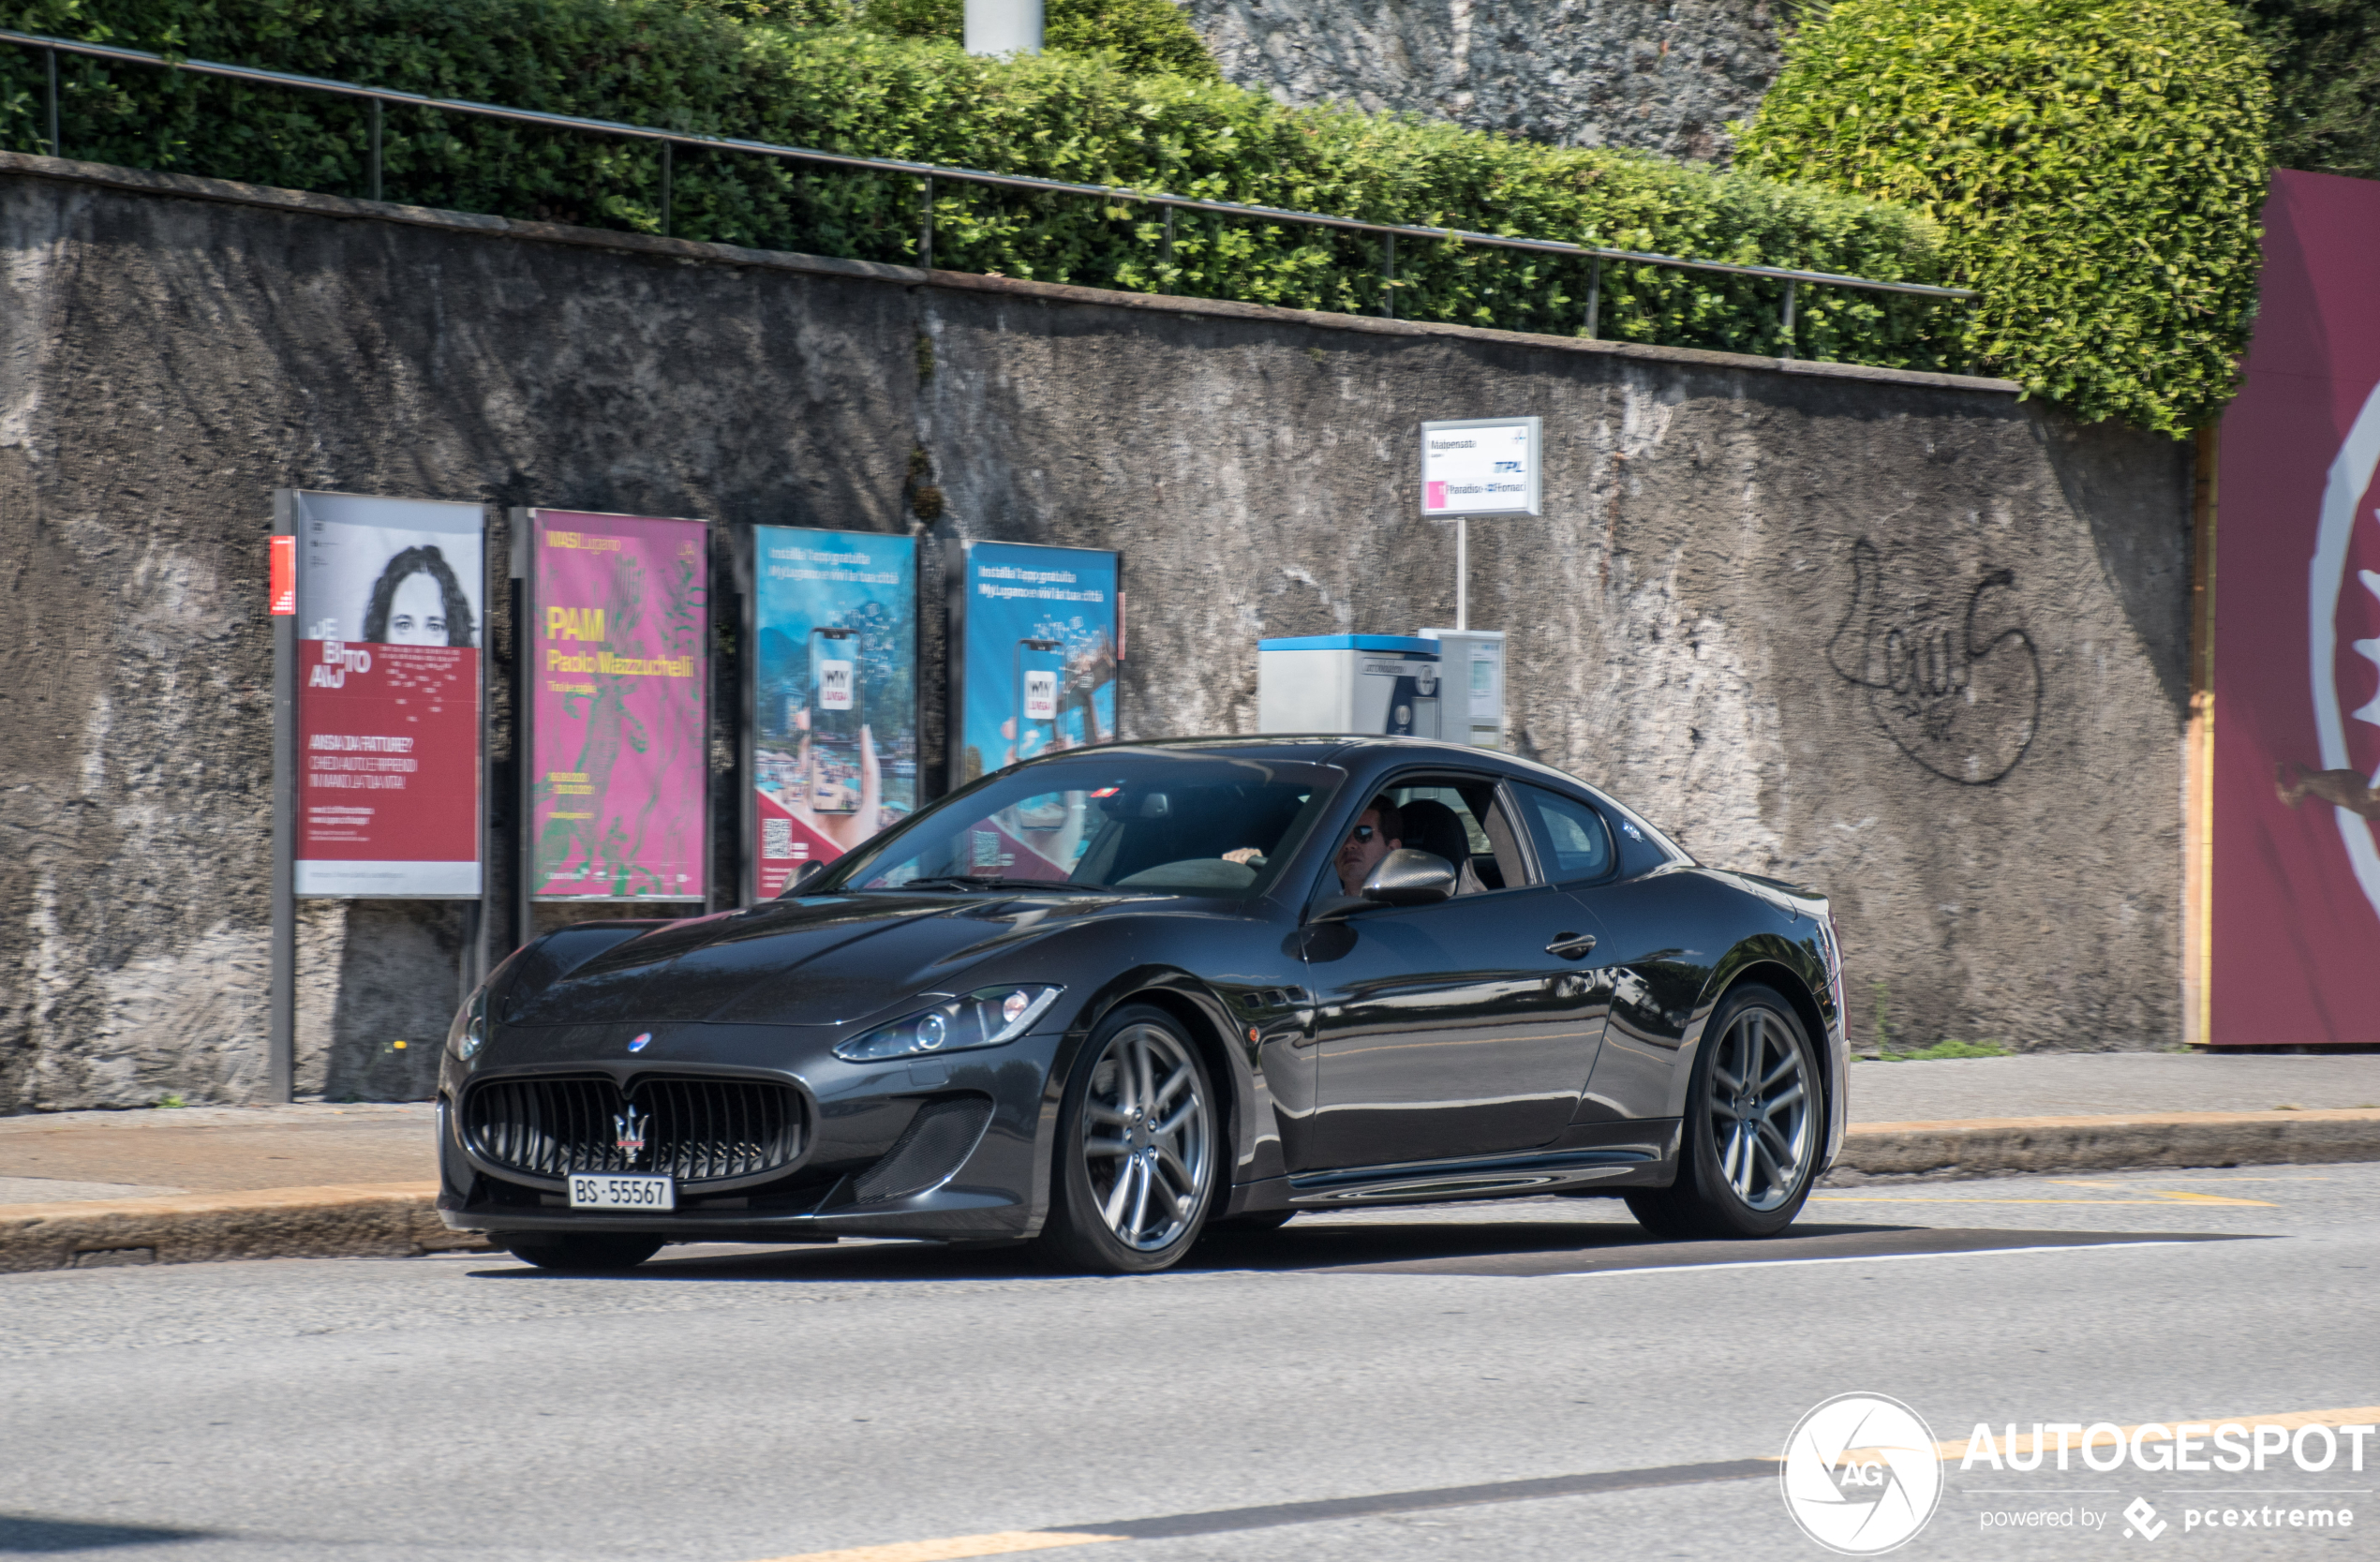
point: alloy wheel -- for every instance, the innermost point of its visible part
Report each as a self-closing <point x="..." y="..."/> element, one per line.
<point x="1760" y="1104"/>
<point x="1148" y="1140"/>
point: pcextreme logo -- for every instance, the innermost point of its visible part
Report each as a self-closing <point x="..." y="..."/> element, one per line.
<point x="1861" y="1474"/>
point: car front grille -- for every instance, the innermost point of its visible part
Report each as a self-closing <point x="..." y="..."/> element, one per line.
<point x="697" y="1130"/>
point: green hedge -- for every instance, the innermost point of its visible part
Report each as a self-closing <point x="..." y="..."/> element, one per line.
<point x="696" y="65"/>
<point x="2096" y="166"/>
<point x="2325" y="79"/>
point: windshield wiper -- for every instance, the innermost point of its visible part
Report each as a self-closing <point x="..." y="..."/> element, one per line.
<point x="969" y="881"/>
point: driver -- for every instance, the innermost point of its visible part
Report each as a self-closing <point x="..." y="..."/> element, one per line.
<point x="1378" y="832"/>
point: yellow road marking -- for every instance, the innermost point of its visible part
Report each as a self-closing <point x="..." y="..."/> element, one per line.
<point x="1007" y="1542"/>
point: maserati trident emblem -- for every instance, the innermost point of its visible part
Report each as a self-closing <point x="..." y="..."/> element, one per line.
<point x="632" y="1129"/>
<point x="643" y="1039"/>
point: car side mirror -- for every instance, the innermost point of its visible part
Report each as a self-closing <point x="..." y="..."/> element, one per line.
<point x="1409" y="877"/>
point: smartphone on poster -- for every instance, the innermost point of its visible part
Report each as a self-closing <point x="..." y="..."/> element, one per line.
<point x="834" y="721"/>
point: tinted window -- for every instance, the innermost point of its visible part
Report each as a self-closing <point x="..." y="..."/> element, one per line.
<point x="1571" y="840"/>
<point x="1187" y="824"/>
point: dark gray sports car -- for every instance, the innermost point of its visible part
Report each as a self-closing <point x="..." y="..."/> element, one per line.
<point x="1111" y="998"/>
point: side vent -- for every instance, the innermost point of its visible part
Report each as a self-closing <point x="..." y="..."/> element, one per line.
<point x="936" y="1143"/>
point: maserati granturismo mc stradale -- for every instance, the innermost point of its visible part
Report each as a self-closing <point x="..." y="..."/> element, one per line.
<point x="1109" y="999"/>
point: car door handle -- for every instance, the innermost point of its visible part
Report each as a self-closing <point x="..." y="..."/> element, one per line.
<point x="1571" y="946"/>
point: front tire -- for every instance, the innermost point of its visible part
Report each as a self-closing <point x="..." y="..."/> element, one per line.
<point x="1755" y="1125"/>
<point x="1138" y="1150"/>
<point x="582" y="1252"/>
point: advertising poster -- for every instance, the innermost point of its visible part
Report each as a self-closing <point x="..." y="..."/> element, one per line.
<point x="834" y="721"/>
<point x="1037" y="630"/>
<point x="2296" y="861"/>
<point x="388" y="602"/>
<point x="617" y="675"/>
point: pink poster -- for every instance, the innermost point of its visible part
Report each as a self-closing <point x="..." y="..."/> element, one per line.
<point x="2296" y="869"/>
<point x="616" y="672"/>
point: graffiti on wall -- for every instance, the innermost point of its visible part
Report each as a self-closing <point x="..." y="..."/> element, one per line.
<point x="1951" y="674"/>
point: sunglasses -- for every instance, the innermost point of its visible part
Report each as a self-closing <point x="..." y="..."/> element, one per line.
<point x="1361" y="832"/>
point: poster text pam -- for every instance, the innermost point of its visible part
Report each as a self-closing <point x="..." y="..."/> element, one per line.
<point x="617" y="708"/>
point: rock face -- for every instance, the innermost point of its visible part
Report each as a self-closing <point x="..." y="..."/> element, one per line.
<point x="1663" y="76"/>
<point x="1917" y="643"/>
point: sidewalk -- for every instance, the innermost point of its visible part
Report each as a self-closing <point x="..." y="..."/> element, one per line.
<point x="82" y="1189"/>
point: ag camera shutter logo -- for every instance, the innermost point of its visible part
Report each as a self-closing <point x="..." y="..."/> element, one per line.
<point x="1861" y="1474"/>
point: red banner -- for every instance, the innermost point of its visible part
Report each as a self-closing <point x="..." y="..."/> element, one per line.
<point x="2295" y="933"/>
<point x="388" y="765"/>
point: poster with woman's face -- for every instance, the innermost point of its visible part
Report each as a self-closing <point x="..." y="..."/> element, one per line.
<point x="390" y="571"/>
<point x="389" y="595"/>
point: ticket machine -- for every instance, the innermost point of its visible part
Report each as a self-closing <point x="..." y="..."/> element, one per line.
<point x="1361" y="683"/>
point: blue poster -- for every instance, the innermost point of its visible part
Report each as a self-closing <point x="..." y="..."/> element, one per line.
<point x="1038" y="626"/>
<point x="834" y="721"/>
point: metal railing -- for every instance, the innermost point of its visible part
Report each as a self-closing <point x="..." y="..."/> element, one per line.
<point x="1388" y="231"/>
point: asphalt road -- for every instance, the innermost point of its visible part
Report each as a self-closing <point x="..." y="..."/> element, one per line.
<point x="735" y="1405"/>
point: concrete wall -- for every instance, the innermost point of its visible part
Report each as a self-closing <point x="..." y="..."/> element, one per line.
<point x="1901" y="636"/>
<point x="1664" y="76"/>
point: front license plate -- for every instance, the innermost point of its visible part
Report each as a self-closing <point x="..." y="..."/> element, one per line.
<point x="591" y="1191"/>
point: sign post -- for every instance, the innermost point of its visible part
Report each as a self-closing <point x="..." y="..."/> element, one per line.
<point x="280" y="1047"/>
<point x="1477" y="466"/>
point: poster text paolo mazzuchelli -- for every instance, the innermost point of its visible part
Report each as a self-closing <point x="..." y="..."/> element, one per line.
<point x="618" y="706"/>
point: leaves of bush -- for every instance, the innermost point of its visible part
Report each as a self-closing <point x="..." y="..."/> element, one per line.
<point x="2096" y="167"/>
<point x="774" y="70"/>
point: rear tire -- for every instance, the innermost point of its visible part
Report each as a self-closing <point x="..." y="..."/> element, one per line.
<point x="1755" y="1126"/>
<point x="1138" y="1149"/>
<point x="583" y="1252"/>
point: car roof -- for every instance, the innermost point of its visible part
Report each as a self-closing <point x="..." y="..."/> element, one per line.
<point x="1353" y="751"/>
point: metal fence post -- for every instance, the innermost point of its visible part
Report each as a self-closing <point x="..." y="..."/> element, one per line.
<point x="1594" y="296"/>
<point x="1388" y="278"/>
<point x="926" y="230"/>
<point x="1165" y="282"/>
<point x="375" y="148"/>
<point x="666" y="173"/>
<point x="56" y="143"/>
<point x="1789" y="289"/>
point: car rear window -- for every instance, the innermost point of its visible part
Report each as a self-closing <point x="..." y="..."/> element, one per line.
<point x="1571" y="840"/>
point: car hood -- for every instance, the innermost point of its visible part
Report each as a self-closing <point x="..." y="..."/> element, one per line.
<point x="819" y="962"/>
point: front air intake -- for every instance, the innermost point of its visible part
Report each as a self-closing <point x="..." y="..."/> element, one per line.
<point x="697" y="1130"/>
<point x="936" y="1143"/>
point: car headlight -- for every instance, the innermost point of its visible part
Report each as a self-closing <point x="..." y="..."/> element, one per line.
<point x="985" y="1017"/>
<point x="469" y="1034"/>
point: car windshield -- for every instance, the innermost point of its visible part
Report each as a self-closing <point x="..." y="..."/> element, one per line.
<point x="1187" y="824"/>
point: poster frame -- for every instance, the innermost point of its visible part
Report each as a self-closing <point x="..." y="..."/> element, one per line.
<point x="744" y="545"/>
<point x="956" y="594"/>
<point x="522" y="520"/>
<point x="286" y="514"/>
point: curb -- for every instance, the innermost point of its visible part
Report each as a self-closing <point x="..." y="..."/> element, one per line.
<point x="400" y="1220"/>
<point x="389" y="1221"/>
<point x="1996" y="1147"/>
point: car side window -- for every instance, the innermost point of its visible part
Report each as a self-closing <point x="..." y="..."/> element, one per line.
<point x="1459" y="818"/>
<point x="1571" y="840"/>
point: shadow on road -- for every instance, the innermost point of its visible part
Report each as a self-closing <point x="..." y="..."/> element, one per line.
<point x="1423" y="1247"/>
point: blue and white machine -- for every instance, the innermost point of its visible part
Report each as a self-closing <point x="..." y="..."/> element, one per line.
<point x="1364" y="683"/>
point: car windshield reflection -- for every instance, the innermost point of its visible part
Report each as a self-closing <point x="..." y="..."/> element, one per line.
<point x="1204" y="824"/>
